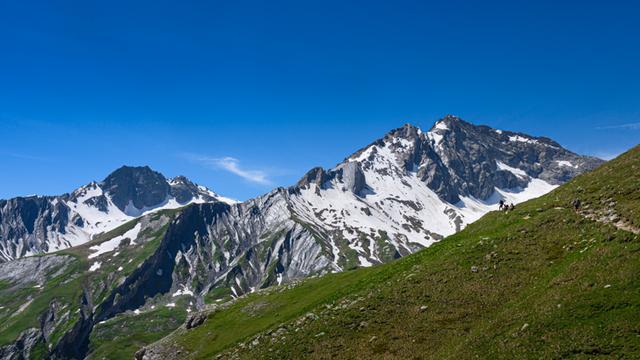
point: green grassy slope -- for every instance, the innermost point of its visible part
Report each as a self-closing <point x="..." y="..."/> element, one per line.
<point x="539" y="282"/>
<point x="66" y="288"/>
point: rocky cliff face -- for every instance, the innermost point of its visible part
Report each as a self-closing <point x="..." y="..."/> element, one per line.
<point x="244" y="247"/>
<point x="42" y="224"/>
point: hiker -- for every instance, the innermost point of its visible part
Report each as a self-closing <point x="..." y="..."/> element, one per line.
<point x="576" y="204"/>
<point x="501" y="205"/>
<point x="511" y="207"/>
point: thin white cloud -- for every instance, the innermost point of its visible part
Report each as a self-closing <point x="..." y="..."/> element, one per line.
<point x="629" y="126"/>
<point x="232" y="165"/>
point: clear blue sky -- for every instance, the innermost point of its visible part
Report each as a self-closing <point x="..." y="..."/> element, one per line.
<point x="87" y="86"/>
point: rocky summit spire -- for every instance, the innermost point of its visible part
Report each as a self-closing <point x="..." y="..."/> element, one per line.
<point x="136" y="186"/>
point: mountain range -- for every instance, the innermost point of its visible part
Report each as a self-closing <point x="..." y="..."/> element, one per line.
<point x="137" y="246"/>
<point x="42" y="224"/>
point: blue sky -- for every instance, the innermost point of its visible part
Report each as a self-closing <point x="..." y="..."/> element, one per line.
<point x="242" y="96"/>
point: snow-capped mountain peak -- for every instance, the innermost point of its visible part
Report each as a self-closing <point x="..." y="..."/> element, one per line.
<point x="418" y="187"/>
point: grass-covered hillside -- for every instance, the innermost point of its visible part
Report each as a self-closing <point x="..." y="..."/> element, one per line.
<point x="542" y="281"/>
<point x="44" y="297"/>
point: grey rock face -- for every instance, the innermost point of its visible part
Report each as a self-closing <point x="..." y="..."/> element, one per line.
<point x="348" y="174"/>
<point x="472" y="155"/>
<point x="27" y="223"/>
<point x="243" y="247"/>
<point x="351" y="175"/>
<point x="315" y="176"/>
<point x="33" y="269"/>
<point x="195" y="320"/>
<point x="22" y="347"/>
<point x="139" y="186"/>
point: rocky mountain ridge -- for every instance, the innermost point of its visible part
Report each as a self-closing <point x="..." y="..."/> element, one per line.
<point x="41" y="224"/>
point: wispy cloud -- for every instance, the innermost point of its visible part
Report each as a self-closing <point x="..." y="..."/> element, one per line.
<point x="233" y="166"/>
<point x="25" y="156"/>
<point x="628" y="126"/>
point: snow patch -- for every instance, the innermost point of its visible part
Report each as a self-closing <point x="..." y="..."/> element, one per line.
<point x="517" y="172"/>
<point x="566" y="164"/>
<point x="364" y="262"/>
<point x="441" y="125"/>
<point x="473" y="209"/>
<point x="95" y="266"/>
<point x="183" y="291"/>
<point x="113" y="244"/>
<point x="518" y="138"/>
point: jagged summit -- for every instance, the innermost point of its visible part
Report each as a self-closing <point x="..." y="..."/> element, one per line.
<point x="137" y="187"/>
<point x="456" y="158"/>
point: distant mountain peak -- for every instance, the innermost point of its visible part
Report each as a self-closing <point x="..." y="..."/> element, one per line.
<point x="137" y="186"/>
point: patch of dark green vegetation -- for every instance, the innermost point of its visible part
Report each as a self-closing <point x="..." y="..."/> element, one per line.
<point x="218" y="294"/>
<point x="122" y="336"/>
<point x="5" y="284"/>
<point x="349" y="259"/>
<point x="387" y="252"/>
